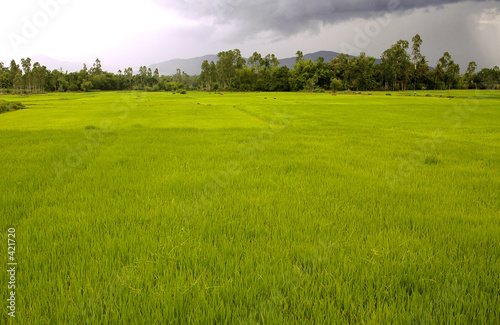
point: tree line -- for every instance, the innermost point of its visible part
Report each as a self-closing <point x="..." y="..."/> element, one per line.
<point x="402" y="67"/>
<point x="35" y="78"/>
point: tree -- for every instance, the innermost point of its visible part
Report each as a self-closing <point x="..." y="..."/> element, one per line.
<point x="178" y="76"/>
<point x="470" y="75"/>
<point x="143" y="73"/>
<point x="156" y="75"/>
<point x="129" y="74"/>
<point x="96" y="69"/>
<point x="26" y="64"/>
<point x="150" y="77"/>
<point x="447" y="70"/>
<point x="273" y="60"/>
<point x="336" y="85"/>
<point x="87" y="86"/>
<point x="299" y="56"/>
<point x="340" y="66"/>
<point x="255" y="59"/>
<point x="302" y="72"/>
<point x="84" y="74"/>
<point x="396" y="65"/>
<point x="227" y="65"/>
<point x="420" y="73"/>
<point x="416" y="56"/>
<point x="417" y="59"/>
<point x="14" y="71"/>
<point x="205" y="75"/>
<point x="362" y="71"/>
<point x="280" y="81"/>
<point x="17" y="83"/>
<point x="39" y="76"/>
<point x="4" y="76"/>
<point x="489" y="78"/>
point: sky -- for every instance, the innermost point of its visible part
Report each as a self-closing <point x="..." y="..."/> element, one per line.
<point x="123" y="33"/>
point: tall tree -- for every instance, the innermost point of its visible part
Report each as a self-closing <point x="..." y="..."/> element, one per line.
<point x="255" y="59"/>
<point x="340" y="67"/>
<point x="143" y="73"/>
<point x="39" y="76"/>
<point x="96" y="69"/>
<point x="448" y="69"/>
<point x="396" y="65"/>
<point x="362" y="72"/>
<point x="470" y="74"/>
<point x="15" y="77"/>
<point x="26" y="64"/>
<point x="228" y="63"/>
<point x="417" y="58"/>
<point x="156" y="75"/>
<point x="129" y="74"/>
<point x="299" y="56"/>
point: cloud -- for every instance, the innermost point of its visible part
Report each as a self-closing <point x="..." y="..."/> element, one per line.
<point x="289" y="17"/>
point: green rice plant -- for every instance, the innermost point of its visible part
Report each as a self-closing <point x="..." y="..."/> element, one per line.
<point x="198" y="209"/>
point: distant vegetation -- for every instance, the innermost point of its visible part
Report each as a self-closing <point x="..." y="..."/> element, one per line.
<point x="402" y="67"/>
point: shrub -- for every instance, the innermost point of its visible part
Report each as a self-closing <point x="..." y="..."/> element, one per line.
<point x="73" y="87"/>
<point x="336" y="85"/>
<point x="431" y="160"/>
<point x="87" y="86"/>
<point x="10" y="106"/>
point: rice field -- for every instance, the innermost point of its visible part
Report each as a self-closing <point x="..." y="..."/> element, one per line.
<point x="252" y="208"/>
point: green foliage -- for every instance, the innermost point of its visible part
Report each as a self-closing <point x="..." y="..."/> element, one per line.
<point x="87" y="86"/>
<point x="398" y="71"/>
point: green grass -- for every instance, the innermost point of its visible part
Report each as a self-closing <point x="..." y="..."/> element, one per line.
<point x="155" y="208"/>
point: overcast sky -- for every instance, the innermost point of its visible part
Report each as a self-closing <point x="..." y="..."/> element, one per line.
<point x="126" y="33"/>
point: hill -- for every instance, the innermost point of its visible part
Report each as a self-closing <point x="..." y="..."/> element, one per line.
<point x="193" y="66"/>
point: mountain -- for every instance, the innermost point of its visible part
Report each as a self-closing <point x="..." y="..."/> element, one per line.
<point x="189" y="66"/>
<point x="193" y="66"/>
<point x="54" y="64"/>
<point x="327" y="55"/>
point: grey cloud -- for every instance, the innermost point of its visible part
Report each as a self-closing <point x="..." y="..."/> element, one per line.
<point x="289" y="17"/>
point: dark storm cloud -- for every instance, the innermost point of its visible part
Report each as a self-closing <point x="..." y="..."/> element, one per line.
<point x="288" y="17"/>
